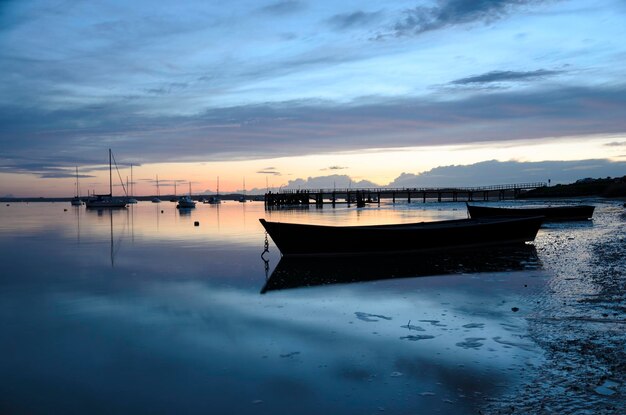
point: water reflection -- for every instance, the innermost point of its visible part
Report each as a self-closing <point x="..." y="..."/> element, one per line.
<point x="311" y="271"/>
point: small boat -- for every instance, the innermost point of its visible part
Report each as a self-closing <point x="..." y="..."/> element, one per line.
<point x="77" y="201"/>
<point x="551" y="213"/>
<point x="186" y="202"/>
<point x="215" y="200"/>
<point x="131" y="200"/>
<point x="300" y="240"/>
<point x="106" y="201"/>
<point x="242" y="199"/>
<point x="157" y="198"/>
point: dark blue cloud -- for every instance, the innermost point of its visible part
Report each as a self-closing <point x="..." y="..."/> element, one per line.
<point x="454" y="12"/>
<point x="36" y="140"/>
<point x="506" y="76"/>
<point x="283" y="7"/>
<point x="353" y="20"/>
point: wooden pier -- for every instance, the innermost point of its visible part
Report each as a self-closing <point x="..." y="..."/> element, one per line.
<point x="361" y="197"/>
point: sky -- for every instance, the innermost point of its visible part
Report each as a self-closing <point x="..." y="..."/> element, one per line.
<point x="292" y="93"/>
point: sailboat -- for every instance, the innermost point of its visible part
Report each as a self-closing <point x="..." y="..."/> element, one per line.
<point x="215" y="200"/>
<point x="186" y="202"/>
<point x="131" y="199"/>
<point x="242" y="199"/>
<point x="76" y="201"/>
<point x="156" y="199"/>
<point x="106" y="201"/>
<point x="174" y="198"/>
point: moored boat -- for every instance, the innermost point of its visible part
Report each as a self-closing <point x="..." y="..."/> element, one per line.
<point x="185" y="202"/>
<point x="77" y="201"/>
<point x="107" y="200"/>
<point x="551" y="213"/>
<point x="301" y="240"/>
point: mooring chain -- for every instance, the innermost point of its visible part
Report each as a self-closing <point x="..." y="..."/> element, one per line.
<point x="266" y="261"/>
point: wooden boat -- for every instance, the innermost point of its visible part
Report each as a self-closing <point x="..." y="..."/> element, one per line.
<point x="551" y="213"/>
<point x="301" y="240"/>
<point x="106" y="201"/>
<point x="296" y="272"/>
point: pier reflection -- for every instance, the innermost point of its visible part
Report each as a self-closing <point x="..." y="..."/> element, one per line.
<point x="295" y="272"/>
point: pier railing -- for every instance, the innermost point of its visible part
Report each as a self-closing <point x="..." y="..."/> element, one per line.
<point x="361" y="196"/>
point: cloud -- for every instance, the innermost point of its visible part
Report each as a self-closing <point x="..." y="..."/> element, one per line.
<point x="494" y="172"/>
<point x="39" y="140"/>
<point x="505" y="76"/>
<point x="454" y="12"/>
<point x="353" y="20"/>
<point x="283" y="7"/>
<point x="485" y="173"/>
<point x="329" y="182"/>
<point x="334" y="168"/>
<point x="269" y="172"/>
<point x="616" y="144"/>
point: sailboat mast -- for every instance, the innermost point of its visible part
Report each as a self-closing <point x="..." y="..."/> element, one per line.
<point x="77" y="191"/>
<point x="110" y="176"/>
<point x="157" y="178"/>
<point x="218" y="185"/>
<point x="132" y="183"/>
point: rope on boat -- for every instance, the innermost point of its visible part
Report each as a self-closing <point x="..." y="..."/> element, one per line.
<point x="266" y="261"/>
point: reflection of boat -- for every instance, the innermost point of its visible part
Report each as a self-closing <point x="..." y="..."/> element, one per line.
<point x="106" y="201"/>
<point x="76" y="201"/>
<point x="551" y="213"/>
<point x="294" y="272"/>
<point x="298" y="239"/>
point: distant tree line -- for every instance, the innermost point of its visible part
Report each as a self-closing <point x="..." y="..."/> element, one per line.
<point x="607" y="187"/>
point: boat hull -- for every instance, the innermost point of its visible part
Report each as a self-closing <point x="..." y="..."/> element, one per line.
<point x="303" y="240"/>
<point x="105" y="203"/>
<point x="556" y="213"/>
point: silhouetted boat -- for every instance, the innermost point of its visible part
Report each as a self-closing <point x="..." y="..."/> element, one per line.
<point x="186" y="202"/>
<point x="106" y="201"/>
<point x="298" y="239"/>
<point x="551" y="213"/>
<point x="295" y="272"/>
<point x="77" y="201"/>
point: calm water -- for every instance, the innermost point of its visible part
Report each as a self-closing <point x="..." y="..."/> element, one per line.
<point x="139" y="311"/>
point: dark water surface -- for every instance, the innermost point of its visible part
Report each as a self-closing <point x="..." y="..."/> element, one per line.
<point x="139" y="311"/>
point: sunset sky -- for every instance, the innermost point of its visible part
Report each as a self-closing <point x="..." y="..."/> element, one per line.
<point x="275" y="93"/>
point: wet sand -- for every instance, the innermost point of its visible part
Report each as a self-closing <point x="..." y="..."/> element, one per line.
<point x="579" y="322"/>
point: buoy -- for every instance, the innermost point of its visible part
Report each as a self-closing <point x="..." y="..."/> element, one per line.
<point x="196" y="223"/>
<point x="64" y="210"/>
<point x="161" y="211"/>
